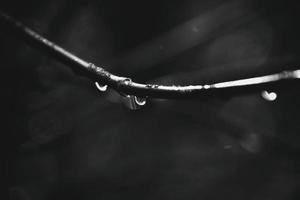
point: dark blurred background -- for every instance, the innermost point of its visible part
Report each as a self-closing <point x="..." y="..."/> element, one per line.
<point x="63" y="139"/>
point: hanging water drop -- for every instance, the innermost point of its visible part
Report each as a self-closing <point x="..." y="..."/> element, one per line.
<point x="269" y="96"/>
<point x="140" y="101"/>
<point x="102" y="88"/>
<point x="133" y="102"/>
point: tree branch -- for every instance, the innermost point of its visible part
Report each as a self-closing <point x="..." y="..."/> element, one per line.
<point x="124" y="85"/>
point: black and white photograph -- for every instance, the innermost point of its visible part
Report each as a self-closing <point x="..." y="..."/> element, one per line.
<point x="150" y="100"/>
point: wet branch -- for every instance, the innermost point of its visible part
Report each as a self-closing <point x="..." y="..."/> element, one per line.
<point x="125" y="85"/>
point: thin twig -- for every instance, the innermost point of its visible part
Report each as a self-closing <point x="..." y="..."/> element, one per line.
<point x="124" y="85"/>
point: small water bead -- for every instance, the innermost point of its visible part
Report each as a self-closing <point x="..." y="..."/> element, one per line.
<point x="127" y="81"/>
<point x="206" y="87"/>
<point x="102" y="88"/>
<point x="140" y="101"/>
<point x="269" y="96"/>
<point x="133" y="102"/>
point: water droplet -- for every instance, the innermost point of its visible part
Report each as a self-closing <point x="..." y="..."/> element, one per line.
<point x="102" y="88"/>
<point x="127" y="81"/>
<point x="140" y="101"/>
<point x="269" y="96"/>
<point x="206" y="86"/>
<point x="133" y="102"/>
